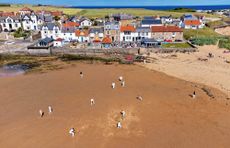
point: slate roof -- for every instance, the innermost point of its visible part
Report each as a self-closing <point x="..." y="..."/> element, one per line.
<point x="150" y="22"/>
<point x="143" y="29"/>
<point x="96" y="30"/>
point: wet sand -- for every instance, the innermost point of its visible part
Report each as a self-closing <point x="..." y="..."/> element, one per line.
<point x="166" y="118"/>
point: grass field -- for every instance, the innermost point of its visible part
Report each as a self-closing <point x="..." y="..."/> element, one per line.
<point x="16" y="8"/>
<point x="93" y="13"/>
<point x="176" y="45"/>
<point x="200" y="33"/>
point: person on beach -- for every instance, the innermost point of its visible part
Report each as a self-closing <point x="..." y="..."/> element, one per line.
<point x="139" y="98"/>
<point x="123" y="83"/>
<point x="41" y="113"/>
<point x="50" y="109"/>
<point x="72" y="132"/>
<point x="120" y="78"/>
<point x="113" y="85"/>
<point x="123" y="114"/>
<point x="81" y="74"/>
<point x="119" y="125"/>
<point x="194" y="95"/>
<point x="92" y="102"/>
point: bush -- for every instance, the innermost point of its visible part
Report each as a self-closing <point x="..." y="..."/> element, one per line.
<point x="224" y="43"/>
<point x="204" y="41"/>
<point x="21" y="33"/>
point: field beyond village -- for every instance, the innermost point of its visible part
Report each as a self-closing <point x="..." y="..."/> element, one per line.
<point x="94" y="13"/>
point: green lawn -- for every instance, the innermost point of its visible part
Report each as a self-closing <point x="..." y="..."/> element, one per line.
<point x="176" y="45"/>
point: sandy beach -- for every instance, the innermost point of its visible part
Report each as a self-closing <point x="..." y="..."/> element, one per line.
<point x="166" y="118"/>
<point x="213" y="72"/>
<point x="223" y="31"/>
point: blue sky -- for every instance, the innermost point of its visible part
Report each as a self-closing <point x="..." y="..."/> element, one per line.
<point x="120" y="2"/>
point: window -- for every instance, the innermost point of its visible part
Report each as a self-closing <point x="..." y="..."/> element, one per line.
<point x="16" y="25"/>
<point x="107" y="32"/>
<point x="4" y="25"/>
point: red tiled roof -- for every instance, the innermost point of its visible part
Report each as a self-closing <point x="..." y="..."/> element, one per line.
<point x="56" y="13"/>
<point x="71" y="24"/>
<point x="96" y="41"/>
<point x="107" y="40"/>
<point x="59" y="39"/>
<point x="81" y="32"/>
<point x="192" y="22"/>
<point x="26" y="9"/>
<point x="166" y="29"/>
<point x="7" y="14"/>
<point x="127" y="28"/>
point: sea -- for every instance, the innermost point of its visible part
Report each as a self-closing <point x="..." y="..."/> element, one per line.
<point x="204" y="7"/>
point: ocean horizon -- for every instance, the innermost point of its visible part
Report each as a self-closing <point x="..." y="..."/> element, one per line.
<point x="195" y="7"/>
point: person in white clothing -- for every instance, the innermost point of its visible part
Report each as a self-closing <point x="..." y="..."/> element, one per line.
<point x="120" y="78"/>
<point x="123" y="83"/>
<point x="72" y="132"/>
<point x="92" y="102"/>
<point x="119" y="124"/>
<point x="113" y="85"/>
<point x="123" y="114"/>
<point x="41" y="113"/>
<point x="50" y="109"/>
<point x="81" y="74"/>
<point x="139" y="98"/>
<point x="194" y="95"/>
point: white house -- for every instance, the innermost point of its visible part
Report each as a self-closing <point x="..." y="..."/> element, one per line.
<point x="30" y="22"/>
<point x="10" y="23"/>
<point x="84" y="22"/>
<point x="59" y="42"/>
<point x="51" y="30"/>
<point x="143" y="33"/>
<point x="128" y="34"/>
<point x="68" y="33"/>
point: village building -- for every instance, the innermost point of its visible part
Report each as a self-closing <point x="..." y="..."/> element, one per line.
<point x="68" y="33"/>
<point x="112" y="29"/>
<point x="25" y="10"/>
<point x="30" y="22"/>
<point x="85" y="22"/>
<point x="151" y="22"/>
<point x="59" y="42"/>
<point x="128" y="33"/>
<point x="166" y="19"/>
<point x="189" y="21"/>
<point x="96" y="34"/>
<point x="143" y="33"/>
<point x="106" y="42"/>
<point x="82" y="35"/>
<point x="10" y="23"/>
<point x="167" y="33"/>
<point x="51" y="30"/>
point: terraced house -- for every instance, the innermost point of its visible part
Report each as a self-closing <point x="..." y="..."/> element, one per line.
<point x="10" y="23"/>
<point x="112" y="30"/>
<point x="30" y="22"/>
<point x="128" y="33"/>
<point x="167" y="33"/>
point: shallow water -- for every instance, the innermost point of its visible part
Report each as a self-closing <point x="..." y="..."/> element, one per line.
<point x="12" y="70"/>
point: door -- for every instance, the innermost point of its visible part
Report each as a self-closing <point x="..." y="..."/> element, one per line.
<point x="10" y="26"/>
